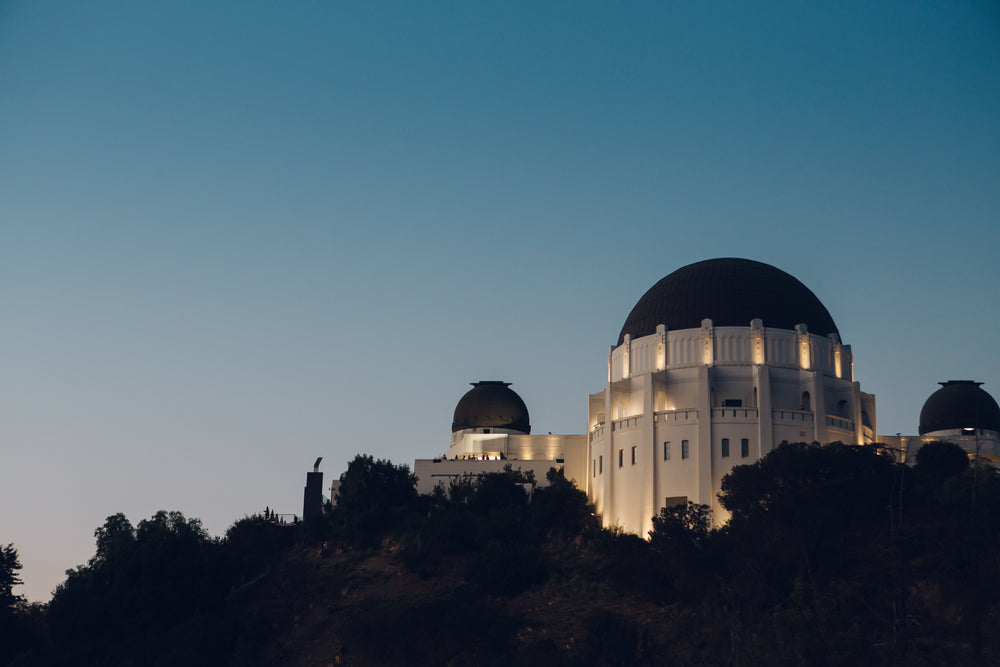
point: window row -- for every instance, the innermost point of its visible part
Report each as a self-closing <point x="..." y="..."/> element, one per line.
<point x="598" y="464"/>
<point x="744" y="447"/>
<point x="685" y="449"/>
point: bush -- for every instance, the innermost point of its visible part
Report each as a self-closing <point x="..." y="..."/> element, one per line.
<point x="938" y="461"/>
<point x="561" y="509"/>
<point x="373" y="495"/>
<point x="253" y="541"/>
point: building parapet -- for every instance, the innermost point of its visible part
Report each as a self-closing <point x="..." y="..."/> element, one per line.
<point x="791" y="417"/>
<point x="626" y="424"/>
<point x="734" y="415"/>
<point x="840" y="423"/>
<point x="682" y="416"/>
<point x="749" y="345"/>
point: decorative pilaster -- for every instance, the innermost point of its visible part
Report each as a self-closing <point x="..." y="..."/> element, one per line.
<point x="703" y="447"/>
<point x="757" y="341"/>
<point x="805" y="353"/>
<point x="765" y="428"/>
<point x="707" y="342"/>
<point x="661" y="347"/>
<point x="647" y="445"/>
<point x="627" y="356"/>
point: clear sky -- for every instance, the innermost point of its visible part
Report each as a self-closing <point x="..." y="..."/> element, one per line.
<point x="235" y="236"/>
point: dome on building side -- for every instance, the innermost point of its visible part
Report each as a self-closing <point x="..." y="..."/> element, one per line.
<point x="730" y="292"/>
<point x="959" y="404"/>
<point x="491" y="404"/>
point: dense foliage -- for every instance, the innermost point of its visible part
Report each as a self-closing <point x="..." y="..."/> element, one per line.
<point x="10" y="565"/>
<point x="18" y="625"/>
<point x="833" y="554"/>
<point x="373" y="495"/>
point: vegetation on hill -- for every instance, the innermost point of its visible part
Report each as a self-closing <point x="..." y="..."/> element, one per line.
<point x="834" y="554"/>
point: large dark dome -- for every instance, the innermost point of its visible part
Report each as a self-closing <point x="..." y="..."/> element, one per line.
<point x="491" y="404"/>
<point x="959" y="404"/>
<point x="730" y="292"/>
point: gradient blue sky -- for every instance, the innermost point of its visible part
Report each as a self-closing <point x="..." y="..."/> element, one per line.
<point x="235" y="236"/>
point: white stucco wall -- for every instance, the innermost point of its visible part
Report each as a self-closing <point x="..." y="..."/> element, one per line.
<point x="702" y="386"/>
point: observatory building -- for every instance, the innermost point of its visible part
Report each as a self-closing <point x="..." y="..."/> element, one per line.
<point x="960" y="412"/>
<point x="717" y="364"/>
<point x="491" y="429"/>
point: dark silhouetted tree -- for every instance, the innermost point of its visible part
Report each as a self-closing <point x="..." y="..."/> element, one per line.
<point x="685" y="525"/>
<point x="253" y="541"/>
<point x="562" y="509"/>
<point x="940" y="460"/>
<point x="151" y="595"/>
<point x="19" y="626"/>
<point x="114" y="538"/>
<point x="373" y="495"/>
<point x="10" y="566"/>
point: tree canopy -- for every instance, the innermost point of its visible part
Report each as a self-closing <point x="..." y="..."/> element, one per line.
<point x="10" y="567"/>
<point x="372" y="495"/>
<point x="833" y="554"/>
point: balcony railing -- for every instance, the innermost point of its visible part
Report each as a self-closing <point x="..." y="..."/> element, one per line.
<point x="682" y="416"/>
<point x="734" y="415"/>
<point x="840" y="422"/>
<point x="626" y="424"/>
<point x="791" y="417"/>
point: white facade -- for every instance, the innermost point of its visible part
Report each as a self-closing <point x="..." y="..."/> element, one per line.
<point x="983" y="444"/>
<point x="681" y="408"/>
<point x="479" y="450"/>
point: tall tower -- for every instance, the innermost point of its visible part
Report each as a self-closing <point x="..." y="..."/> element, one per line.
<point x="312" y="496"/>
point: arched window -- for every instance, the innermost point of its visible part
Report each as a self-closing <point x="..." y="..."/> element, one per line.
<point x="806" y="404"/>
<point x="843" y="409"/>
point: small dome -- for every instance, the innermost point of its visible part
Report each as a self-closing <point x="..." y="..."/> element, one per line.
<point x="491" y="404"/>
<point x="959" y="404"/>
<point x="730" y="292"/>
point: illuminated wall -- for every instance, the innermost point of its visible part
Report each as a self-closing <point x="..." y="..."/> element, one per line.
<point x="479" y="450"/>
<point x="681" y="408"/>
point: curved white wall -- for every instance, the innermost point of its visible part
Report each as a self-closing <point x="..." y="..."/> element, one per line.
<point x="742" y="388"/>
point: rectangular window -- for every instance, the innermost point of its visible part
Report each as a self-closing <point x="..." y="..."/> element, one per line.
<point x="732" y="403"/>
<point x="744" y="448"/>
<point x="595" y="467"/>
<point x="725" y="448"/>
<point x="633" y="454"/>
<point x="600" y="464"/>
<point x="684" y="449"/>
<point x="666" y="451"/>
<point x="621" y="457"/>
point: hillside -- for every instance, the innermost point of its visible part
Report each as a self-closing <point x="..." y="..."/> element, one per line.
<point x="834" y="555"/>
